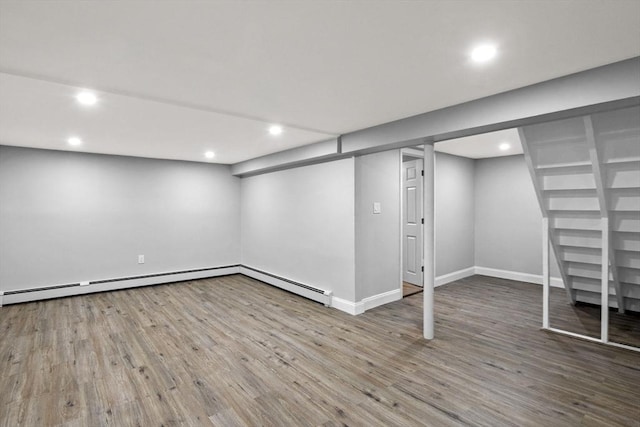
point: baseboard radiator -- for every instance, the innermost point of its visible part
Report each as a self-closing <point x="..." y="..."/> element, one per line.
<point x="79" y="288"/>
<point x="310" y="292"/>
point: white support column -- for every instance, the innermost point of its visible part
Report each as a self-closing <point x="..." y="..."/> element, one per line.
<point x="604" y="318"/>
<point x="429" y="240"/>
<point x="545" y="273"/>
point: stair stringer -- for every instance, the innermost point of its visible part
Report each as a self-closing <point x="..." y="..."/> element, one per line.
<point x="552" y="241"/>
<point x="604" y="209"/>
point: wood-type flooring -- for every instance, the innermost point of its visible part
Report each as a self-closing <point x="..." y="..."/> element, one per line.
<point x="232" y="351"/>
<point x="409" y="289"/>
<point x="584" y="319"/>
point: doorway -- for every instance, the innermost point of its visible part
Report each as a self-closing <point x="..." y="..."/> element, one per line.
<point x="412" y="172"/>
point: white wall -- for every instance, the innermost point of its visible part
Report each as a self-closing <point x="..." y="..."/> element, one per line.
<point x="455" y="213"/>
<point x="69" y="217"/>
<point x="299" y="224"/>
<point x="508" y="222"/>
<point x="377" y="179"/>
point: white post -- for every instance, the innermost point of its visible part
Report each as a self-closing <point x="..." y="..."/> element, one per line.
<point x="545" y="273"/>
<point x="429" y="240"/>
<point x="604" y="318"/>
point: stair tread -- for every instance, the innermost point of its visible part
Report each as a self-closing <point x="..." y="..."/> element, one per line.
<point x="572" y="139"/>
<point x="563" y="166"/>
<point x="572" y="231"/>
<point x="592" y="280"/>
<point x="592" y="213"/>
<point x="587" y="248"/>
<point x="594" y="292"/>
<point x="633" y="214"/>
<point x="583" y="263"/>
<point x="622" y="161"/>
<point x="571" y="191"/>
<point x="632" y="190"/>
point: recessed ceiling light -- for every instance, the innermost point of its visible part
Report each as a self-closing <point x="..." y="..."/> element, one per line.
<point x="209" y="154"/>
<point x="504" y="146"/>
<point x="87" y="98"/>
<point x="74" y="141"/>
<point x="275" y="130"/>
<point x="484" y="53"/>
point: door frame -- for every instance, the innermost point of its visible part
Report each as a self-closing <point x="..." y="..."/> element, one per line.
<point x="416" y="153"/>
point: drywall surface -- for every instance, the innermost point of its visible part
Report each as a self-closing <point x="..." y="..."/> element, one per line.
<point x="508" y="218"/>
<point x="299" y="224"/>
<point x="67" y="217"/>
<point x="377" y="179"/>
<point x="455" y="213"/>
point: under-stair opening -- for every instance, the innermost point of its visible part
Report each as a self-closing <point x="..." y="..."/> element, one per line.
<point x="586" y="174"/>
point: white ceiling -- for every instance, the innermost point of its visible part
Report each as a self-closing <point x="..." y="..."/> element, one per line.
<point x="483" y="145"/>
<point x="177" y="78"/>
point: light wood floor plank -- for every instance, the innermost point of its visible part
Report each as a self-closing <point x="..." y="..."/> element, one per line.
<point x="232" y="351"/>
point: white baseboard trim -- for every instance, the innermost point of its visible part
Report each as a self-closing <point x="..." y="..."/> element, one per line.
<point x="381" y="299"/>
<point x="355" y="308"/>
<point x="350" y="307"/>
<point x="28" y="295"/>
<point x="456" y="275"/>
<point x="555" y="282"/>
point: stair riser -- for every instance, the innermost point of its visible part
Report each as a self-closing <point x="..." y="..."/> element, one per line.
<point x="626" y="241"/>
<point x="624" y="202"/>
<point x="584" y="169"/>
<point x="561" y="154"/>
<point x="579" y="238"/>
<point x="620" y="150"/>
<point x="630" y="304"/>
<point x="629" y="275"/>
<point x="594" y="298"/>
<point x="593" y="224"/>
<point x="568" y="181"/>
<point x="628" y="259"/>
<point x="625" y="221"/>
<point x="573" y="203"/>
<point x="622" y="176"/>
<point x="583" y="270"/>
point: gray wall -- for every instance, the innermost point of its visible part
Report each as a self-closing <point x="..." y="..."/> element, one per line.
<point x="508" y="220"/>
<point x="377" y="179"/>
<point x="455" y="213"/>
<point x="299" y="224"/>
<point x="69" y="217"/>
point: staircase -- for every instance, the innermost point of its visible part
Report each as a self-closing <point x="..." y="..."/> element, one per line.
<point x="586" y="173"/>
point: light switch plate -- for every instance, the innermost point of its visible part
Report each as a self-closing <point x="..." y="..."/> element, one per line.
<point x="377" y="208"/>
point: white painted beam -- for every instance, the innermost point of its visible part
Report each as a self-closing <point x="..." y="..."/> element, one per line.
<point x="299" y="156"/>
<point x="604" y="88"/>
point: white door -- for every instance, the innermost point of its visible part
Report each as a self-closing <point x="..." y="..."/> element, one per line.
<point x="412" y="221"/>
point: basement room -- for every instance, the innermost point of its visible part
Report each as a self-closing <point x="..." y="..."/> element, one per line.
<point x="336" y="213"/>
